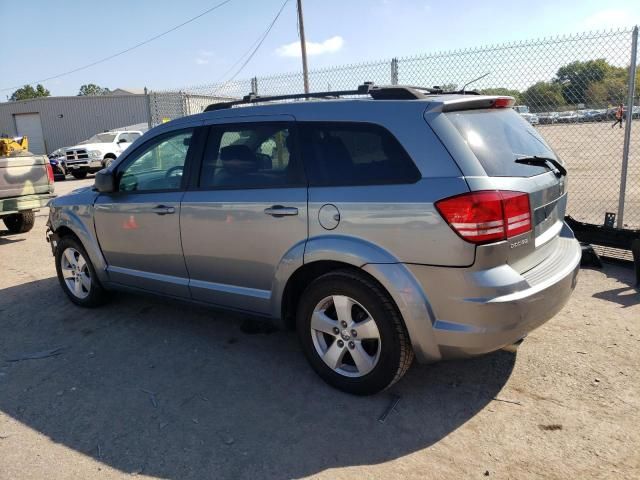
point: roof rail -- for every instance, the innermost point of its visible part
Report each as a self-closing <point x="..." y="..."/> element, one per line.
<point x="377" y="92"/>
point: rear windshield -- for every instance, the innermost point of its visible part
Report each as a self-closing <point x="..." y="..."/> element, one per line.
<point x="498" y="138"/>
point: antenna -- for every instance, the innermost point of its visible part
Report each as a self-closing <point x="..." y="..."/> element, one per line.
<point x="473" y="81"/>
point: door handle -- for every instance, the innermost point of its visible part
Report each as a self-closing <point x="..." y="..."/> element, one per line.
<point x="281" y="211"/>
<point x="163" y="210"/>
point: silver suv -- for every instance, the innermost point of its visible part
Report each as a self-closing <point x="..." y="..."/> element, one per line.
<point x="407" y="222"/>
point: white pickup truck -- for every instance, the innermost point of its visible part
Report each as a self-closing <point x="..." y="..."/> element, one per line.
<point x="97" y="152"/>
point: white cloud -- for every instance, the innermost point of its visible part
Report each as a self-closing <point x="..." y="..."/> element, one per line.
<point x="605" y="19"/>
<point x="330" y="45"/>
<point x="203" y="57"/>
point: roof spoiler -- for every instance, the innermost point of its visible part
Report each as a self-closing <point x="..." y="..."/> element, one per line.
<point x="481" y="102"/>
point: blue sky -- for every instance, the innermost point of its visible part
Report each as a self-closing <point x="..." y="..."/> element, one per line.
<point x="45" y="38"/>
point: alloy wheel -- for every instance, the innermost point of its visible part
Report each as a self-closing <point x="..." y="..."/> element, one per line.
<point x="345" y="336"/>
<point x="75" y="272"/>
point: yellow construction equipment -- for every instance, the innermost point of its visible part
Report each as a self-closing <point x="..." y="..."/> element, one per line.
<point x="10" y="146"/>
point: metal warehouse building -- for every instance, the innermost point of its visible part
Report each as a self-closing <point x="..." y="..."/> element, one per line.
<point x="55" y="122"/>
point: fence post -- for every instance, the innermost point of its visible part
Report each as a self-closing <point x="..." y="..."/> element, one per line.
<point x="394" y="71"/>
<point x="627" y="130"/>
<point x="254" y="85"/>
<point x="147" y="94"/>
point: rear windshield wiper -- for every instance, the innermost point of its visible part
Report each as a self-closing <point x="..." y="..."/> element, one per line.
<point x="558" y="168"/>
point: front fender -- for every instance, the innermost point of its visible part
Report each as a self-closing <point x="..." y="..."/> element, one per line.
<point x="79" y="219"/>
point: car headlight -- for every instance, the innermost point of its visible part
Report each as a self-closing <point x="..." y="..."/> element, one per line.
<point x="95" y="154"/>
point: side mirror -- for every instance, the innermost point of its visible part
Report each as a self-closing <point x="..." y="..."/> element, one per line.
<point x="104" y="182"/>
<point x="122" y="140"/>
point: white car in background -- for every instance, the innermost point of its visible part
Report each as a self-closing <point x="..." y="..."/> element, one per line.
<point x="524" y="112"/>
<point x="98" y="151"/>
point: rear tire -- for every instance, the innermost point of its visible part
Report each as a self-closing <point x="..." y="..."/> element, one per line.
<point x="76" y="274"/>
<point x="20" y="222"/>
<point x="352" y="333"/>
<point x="79" y="175"/>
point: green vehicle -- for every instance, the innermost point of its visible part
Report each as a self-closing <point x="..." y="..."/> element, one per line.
<point x="26" y="184"/>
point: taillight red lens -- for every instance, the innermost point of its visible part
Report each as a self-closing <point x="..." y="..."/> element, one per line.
<point x="517" y="213"/>
<point x="503" y="102"/>
<point x="487" y="216"/>
<point x="50" y="173"/>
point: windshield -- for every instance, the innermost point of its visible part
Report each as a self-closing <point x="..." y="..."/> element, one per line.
<point x="498" y="138"/>
<point x="101" y="138"/>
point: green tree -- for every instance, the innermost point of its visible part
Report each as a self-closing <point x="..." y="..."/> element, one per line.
<point x="543" y="96"/>
<point x="612" y="90"/>
<point x="92" y="89"/>
<point x="577" y="77"/>
<point x="28" y="92"/>
<point x="502" y="91"/>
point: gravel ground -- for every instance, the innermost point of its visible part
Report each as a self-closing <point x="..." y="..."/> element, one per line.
<point x="593" y="154"/>
<point x="155" y="388"/>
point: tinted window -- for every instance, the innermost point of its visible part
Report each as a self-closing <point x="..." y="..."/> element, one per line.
<point x="250" y="156"/>
<point x="355" y="154"/>
<point x="128" y="137"/>
<point x="498" y="138"/>
<point x="158" y="165"/>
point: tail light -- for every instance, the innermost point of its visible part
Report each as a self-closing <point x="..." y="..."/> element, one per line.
<point x="487" y="216"/>
<point x="50" y="172"/>
<point x="503" y="102"/>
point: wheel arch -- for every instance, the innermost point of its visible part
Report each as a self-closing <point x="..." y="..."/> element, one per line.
<point x="325" y="254"/>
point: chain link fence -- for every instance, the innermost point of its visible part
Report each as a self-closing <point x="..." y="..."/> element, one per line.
<point x="569" y="88"/>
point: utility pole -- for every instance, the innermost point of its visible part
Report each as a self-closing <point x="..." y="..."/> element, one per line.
<point x="303" y="45"/>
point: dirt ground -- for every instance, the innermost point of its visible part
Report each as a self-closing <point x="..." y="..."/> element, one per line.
<point x="593" y="155"/>
<point x="158" y="389"/>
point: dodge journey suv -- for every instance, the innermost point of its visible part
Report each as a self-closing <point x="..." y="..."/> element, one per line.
<point x="404" y="222"/>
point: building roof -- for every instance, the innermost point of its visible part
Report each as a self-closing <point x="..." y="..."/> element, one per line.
<point x="127" y="91"/>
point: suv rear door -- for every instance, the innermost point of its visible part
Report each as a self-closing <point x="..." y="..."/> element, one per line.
<point x="248" y="209"/>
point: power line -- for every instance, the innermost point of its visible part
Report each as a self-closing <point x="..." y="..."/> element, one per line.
<point x="259" y="42"/>
<point x="126" y="50"/>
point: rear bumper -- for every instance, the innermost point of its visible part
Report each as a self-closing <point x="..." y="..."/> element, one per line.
<point x="25" y="202"/>
<point x="479" y="311"/>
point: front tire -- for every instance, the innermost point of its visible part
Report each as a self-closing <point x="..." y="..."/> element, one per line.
<point x="76" y="274"/>
<point x="20" y="222"/>
<point x="79" y="174"/>
<point x="352" y="333"/>
<point x="108" y="161"/>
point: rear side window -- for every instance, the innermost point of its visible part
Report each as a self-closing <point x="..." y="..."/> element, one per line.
<point x="354" y="154"/>
<point x="498" y="138"/>
<point x="251" y="156"/>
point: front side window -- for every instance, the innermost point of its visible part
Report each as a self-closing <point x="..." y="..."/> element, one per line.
<point x="101" y="138"/>
<point x="355" y="154"/>
<point x="158" y="166"/>
<point x="127" y="137"/>
<point x="250" y="156"/>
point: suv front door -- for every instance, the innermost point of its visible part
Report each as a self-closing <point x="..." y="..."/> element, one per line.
<point x="248" y="210"/>
<point x="138" y="225"/>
